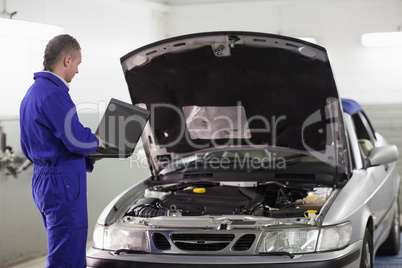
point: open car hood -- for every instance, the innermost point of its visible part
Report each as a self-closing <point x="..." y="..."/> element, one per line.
<point x="234" y="89"/>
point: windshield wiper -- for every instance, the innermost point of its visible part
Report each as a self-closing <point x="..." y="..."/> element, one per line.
<point x="279" y="253"/>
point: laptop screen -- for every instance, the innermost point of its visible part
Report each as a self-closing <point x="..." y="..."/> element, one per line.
<point x="122" y="125"/>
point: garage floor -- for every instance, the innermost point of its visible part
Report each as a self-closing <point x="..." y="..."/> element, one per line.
<point x="389" y="261"/>
<point x="379" y="262"/>
<point x="39" y="262"/>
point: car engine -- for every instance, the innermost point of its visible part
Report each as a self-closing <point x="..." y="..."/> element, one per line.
<point x="271" y="199"/>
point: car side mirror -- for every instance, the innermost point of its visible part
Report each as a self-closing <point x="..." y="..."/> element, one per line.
<point x="383" y="155"/>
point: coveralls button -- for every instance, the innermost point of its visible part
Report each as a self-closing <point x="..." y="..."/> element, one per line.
<point x="68" y="186"/>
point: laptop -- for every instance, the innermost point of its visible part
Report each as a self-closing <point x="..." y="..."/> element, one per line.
<point x="120" y="129"/>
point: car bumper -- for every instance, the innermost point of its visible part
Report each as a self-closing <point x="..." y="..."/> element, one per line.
<point x="348" y="257"/>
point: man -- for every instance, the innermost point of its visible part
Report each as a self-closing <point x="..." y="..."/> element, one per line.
<point x="58" y="144"/>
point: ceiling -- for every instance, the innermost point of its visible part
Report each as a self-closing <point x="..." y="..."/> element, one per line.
<point x="194" y="2"/>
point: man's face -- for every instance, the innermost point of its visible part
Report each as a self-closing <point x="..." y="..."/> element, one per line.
<point x="72" y="67"/>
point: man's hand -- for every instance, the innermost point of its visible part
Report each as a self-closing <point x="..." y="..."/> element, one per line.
<point x="100" y="142"/>
<point x="100" y="145"/>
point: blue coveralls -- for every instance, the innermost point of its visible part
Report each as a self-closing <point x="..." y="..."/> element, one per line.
<point x="57" y="143"/>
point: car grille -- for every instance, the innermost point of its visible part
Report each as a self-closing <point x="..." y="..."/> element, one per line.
<point x="160" y="241"/>
<point x="202" y="242"/>
<point x="244" y="243"/>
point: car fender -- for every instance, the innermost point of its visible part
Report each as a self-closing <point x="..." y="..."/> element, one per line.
<point x="116" y="208"/>
<point x="368" y="195"/>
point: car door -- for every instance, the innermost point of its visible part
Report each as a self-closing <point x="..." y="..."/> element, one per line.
<point x="380" y="180"/>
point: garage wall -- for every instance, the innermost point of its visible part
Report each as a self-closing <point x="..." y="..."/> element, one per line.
<point x="372" y="76"/>
<point x="22" y="235"/>
<point x="106" y="30"/>
<point x="369" y="75"/>
<point x="387" y="120"/>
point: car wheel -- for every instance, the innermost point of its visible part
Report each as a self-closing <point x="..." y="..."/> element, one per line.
<point x="391" y="244"/>
<point x="366" y="260"/>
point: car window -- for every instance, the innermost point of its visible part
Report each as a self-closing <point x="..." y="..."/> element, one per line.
<point x="364" y="132"/>
<point x="368" y="125"/>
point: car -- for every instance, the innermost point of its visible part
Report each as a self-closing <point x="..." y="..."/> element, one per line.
<point x="255" y="160"/>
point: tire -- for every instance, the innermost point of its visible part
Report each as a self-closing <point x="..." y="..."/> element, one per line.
<point x="366" y="260"/>
<point x="391" y="244"/>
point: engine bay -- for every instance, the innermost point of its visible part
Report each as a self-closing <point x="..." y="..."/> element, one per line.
<point x="269" y="199"/>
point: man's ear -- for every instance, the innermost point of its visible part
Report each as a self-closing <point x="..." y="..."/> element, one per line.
<point x="67" y="60"/>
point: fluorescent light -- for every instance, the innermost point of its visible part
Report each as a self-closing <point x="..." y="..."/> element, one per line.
<point x="21" y="52"/>
<point x="386" y="39"/>
<point x="31" y="30"/>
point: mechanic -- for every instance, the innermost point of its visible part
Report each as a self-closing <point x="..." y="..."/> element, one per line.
<point x="53" y="138"/>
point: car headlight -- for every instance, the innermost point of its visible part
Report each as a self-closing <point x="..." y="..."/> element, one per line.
<point x="292" y="240"/>
<point x="97" y="238"/>
<point x="334" y="237"/>
<point x="120" y="238"/>
<point x="305" y="239"/>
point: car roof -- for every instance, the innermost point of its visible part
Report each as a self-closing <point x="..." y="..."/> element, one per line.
<point x="350" y="106"/>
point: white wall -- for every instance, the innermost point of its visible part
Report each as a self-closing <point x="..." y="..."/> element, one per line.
<point x="106" y="30"/>
<point x="369" y="75"/>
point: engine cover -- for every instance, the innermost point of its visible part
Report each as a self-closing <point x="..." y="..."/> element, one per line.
<point x="217" y="200"/>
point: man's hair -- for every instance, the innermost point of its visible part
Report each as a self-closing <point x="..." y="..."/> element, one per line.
<point x="57" y="48"/>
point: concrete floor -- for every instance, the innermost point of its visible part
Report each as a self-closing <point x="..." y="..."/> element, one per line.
<point x="39" y="262"/>
<point x="389" y="261"/>
<point x="379" y="262"/>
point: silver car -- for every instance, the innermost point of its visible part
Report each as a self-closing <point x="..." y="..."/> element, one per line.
<point x="255" y="160"/>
